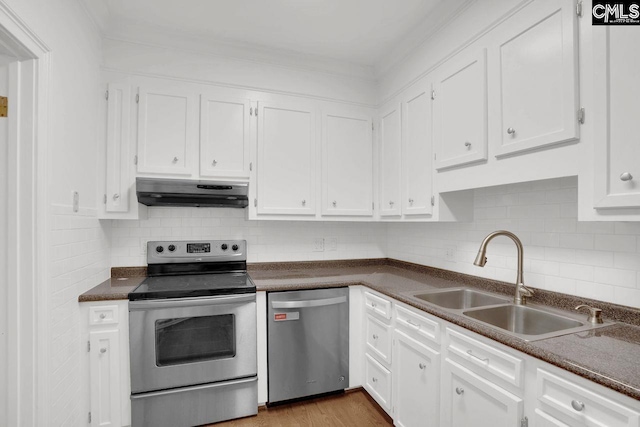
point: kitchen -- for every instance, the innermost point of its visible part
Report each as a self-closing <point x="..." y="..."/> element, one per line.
<point x="546" y="194"/>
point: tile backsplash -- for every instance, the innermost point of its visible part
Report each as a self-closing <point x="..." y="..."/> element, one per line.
<point x="267" y="240"/>
<point x="599" y="260"/>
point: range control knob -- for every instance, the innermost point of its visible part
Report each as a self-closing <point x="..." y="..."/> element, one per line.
<point x="172" y="248"/>
<point x="224" y="247"/>
<point x="234" y="247"/>
<point x="159" y="249"/>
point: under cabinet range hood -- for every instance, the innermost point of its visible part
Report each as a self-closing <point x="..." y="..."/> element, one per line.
<point x="179" y="192"/>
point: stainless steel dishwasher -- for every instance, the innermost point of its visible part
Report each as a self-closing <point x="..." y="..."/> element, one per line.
<point x="308" y="342"/>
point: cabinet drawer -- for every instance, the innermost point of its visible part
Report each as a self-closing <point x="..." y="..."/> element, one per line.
<point x="103" y="315"/>
<point x="378" y="339"/>
<point x="481" y="357"/>
<point x="377" y="305"/>
<point x="417" y="325"/>
<point x="378" y="382"/>
<point x="581" y="406"/>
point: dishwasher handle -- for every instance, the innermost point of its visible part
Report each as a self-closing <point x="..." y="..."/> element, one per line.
<point x="309" y="303"/>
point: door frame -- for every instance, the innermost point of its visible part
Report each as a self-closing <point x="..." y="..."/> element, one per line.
<point x="27" y="222"/>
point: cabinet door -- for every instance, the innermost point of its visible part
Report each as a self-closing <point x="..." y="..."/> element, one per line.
<point x="616" y="111"/>
<point x="378" y="382"/>
<point x="167" y="131"/>
<point x="537" y="78"/>
<point x="104" y="367"/>
<point x="118" y="141"/>
<point x="416" y="383"/>
<point x="224" y="137"/>
<point x="470" y="400"/>
<point x="417" y="152"/>
<point x="286" y="174"/>
<point x="460" y="110"/>
<point x="347" y="163"/>
<point x="390" y="161"/>
<point x="545" y="420"/>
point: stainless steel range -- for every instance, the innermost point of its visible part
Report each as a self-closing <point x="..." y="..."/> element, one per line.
<point x="192" y="327"/>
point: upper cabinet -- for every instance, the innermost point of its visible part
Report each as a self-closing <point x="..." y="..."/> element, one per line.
<point x="225" y="135"/>
<point x="347" y="163"/>
<point x="390" y="133"/>
<point x="535" y="83"/>
<point x="417" y="152"/>
<point x="167" y="131"/>
<point x="287" y="152"/>
<point x="616" y="111"/>
<point x="116" y="198"/>
<point x="460" y="110"/>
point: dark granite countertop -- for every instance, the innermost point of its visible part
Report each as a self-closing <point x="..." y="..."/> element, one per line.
<point x="607" y="356"/>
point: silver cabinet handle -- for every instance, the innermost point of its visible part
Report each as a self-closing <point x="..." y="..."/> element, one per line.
<point x="577" y="405"/>
<point x="468" y="145"/>
<point x="391" y="203"/>
<point x="410" y="201"/>
<point x="334" y="203"/>
<point x="175" y="160"/>
<point x="470" y="353"/>
<point x="626" y="176"/>
<point x="102" y="315"/>
<point x="511" y="131"/>
<point x="373" y="305"/>
<point x="215" y="162"/>
<point x="103" y="350"/>
<point x="374" y="379"/>
<point x="415" y="325"/>
<point x="422" y="365"/>
<point x="116" y="196"/>
<point x="304" y="203"/>
<point x="375" y="337"/>
<point x="459" y="391"/>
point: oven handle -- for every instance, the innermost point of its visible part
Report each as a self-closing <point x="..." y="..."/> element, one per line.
<point x="198" y="387"/>
<point x="190" y="302"/>
<point x="308" y="303"/>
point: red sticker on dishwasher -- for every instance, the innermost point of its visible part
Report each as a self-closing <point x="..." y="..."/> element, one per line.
<point x="291" y="315"/>
<point x="280" y="316"/>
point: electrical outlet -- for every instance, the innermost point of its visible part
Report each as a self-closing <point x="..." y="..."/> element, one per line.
<point x="450" y="252"/>
<point x="332" y="243"/>
<point x="318" y="245"/>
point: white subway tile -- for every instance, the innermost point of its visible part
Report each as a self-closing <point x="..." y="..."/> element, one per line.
<point x="617" y="243"/>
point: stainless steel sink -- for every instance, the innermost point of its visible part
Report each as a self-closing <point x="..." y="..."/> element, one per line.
<point x="459" y="298"/>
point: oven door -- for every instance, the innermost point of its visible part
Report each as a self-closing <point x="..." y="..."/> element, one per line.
<point x="180" y="342"/>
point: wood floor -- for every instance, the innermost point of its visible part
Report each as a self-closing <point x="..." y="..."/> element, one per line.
<point x="352" y="409"/>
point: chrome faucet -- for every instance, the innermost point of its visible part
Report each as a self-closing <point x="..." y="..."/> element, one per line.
<point x="522" y="292"/>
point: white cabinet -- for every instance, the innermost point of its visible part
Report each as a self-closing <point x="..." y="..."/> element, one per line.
<point x="378" y="382"/>
<point x="390" y="160"/>
<point x="567" y="401"/>
<point x="378" y="339"/>
<point x="535" y="85"/>
<point x="107" y="364"/>
<point x="417" y="151"/>
<point x="616" y="65"/>
<point x="471" y="400"/>
<point x="225" y="135"/>
<point x="347" y="163"/>
<point x="287" y="153"/>
<point x="460" y="110"/>
<point x="167" y="130"/>
<point x="416" y="382"/>
<point x="118" y="147"/>
<point x="104" y="368"/>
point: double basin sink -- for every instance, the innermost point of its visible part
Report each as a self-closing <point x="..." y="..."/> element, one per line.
<point x="525" y="322"/>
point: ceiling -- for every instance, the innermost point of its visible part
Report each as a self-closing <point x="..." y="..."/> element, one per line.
<point x="362" y="32"/>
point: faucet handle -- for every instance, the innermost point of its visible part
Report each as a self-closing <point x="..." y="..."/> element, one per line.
<point x="595" y="314"/>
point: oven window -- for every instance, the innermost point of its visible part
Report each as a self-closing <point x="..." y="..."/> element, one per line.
<point x="195" y="339"/>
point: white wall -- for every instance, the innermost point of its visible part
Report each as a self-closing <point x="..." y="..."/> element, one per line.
<point x="267" y="240"/>
<point x="3" y="251"/>
<point x="78" y="252"/>
<point x="599" y="260"/>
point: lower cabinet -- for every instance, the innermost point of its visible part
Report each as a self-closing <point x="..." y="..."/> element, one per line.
<point x="108" y="390"/>
<point x="378" y="382"/>
<point x="470" y="400"/>
<point x="416" y="382"/>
